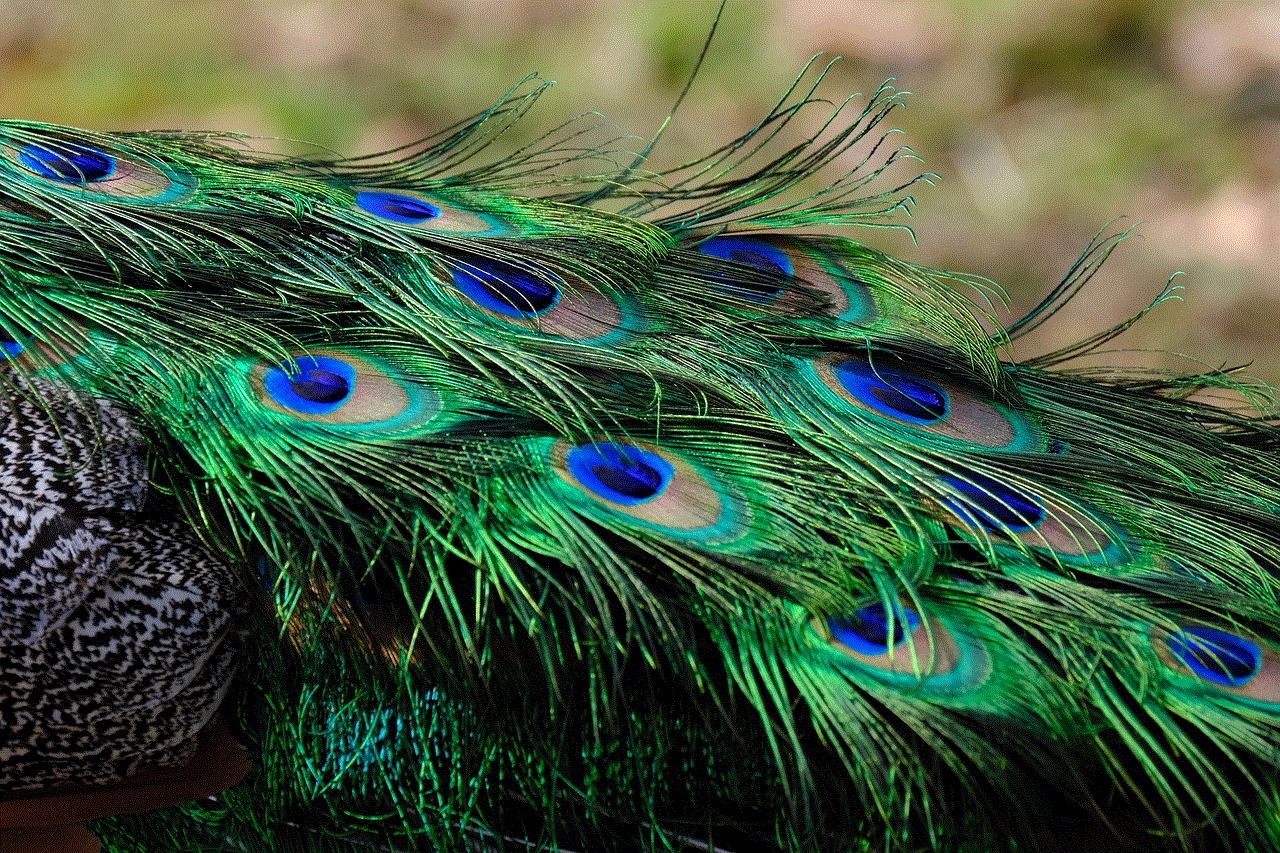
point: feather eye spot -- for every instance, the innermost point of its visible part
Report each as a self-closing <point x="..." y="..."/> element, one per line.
<point x="994" y="505"/>
<point x="872" y="630"/>
<point x="88" y="170"/>
<point x="67" y="162"/>
<point x="15" y="341"/>
<point x="312" y="385"/>
<point x="555" y="305"/>
<point x="505" y="289"/>
<point x="651" y="487"/>
<point x="893" y="393"/>
<point x="622" y="474"/>
<point x="341" y="390"/>
<point x="757" y="259"/>
<point x="396" y="207"/>
<point x="818" y="272"/>
<point x="322" y="386"/>
<point x="416" y="211"/>
<point x="1073" y="533"/>
<point x="902" y="646"/>
<point x="772" y="263"/>
<point x="1220" y="658"/>
<point x="637" y="481"/>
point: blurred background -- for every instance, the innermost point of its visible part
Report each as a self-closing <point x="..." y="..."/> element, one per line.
<point x="1044" y="120"/>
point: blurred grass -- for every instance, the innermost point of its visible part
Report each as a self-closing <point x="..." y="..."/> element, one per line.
<point x="1045" y="120"/>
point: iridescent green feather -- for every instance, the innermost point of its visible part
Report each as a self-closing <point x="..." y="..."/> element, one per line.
<point x="617" y="511"/>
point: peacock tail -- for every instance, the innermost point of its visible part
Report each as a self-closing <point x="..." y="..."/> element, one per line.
<point x="594" y="508"/>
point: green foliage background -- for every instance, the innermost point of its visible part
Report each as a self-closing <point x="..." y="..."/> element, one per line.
<point x="1045" y="120"/>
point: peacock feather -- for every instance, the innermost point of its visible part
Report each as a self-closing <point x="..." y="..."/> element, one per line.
<point x="610" y="511"/>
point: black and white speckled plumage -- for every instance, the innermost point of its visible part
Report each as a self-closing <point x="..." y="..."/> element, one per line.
<point x="116" y="625"/>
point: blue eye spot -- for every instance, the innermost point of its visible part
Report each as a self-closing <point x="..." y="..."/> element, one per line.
<point x="771" y="261"/>
<point x="619" y="473"/>
<point x="321" y="386"/>
<point x="11" y="348"/>
<point x="505" y="289"/>
<point x="1216" y="656"/>
<point x="67" y="162"/>
<point x="267" y="572"/>
<point x="893" y="393"/>
<point x="994" y="505"/>
<point x="867" y="631"/>
<point x="396" y="207"/>
<point x="313" y="385"/>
